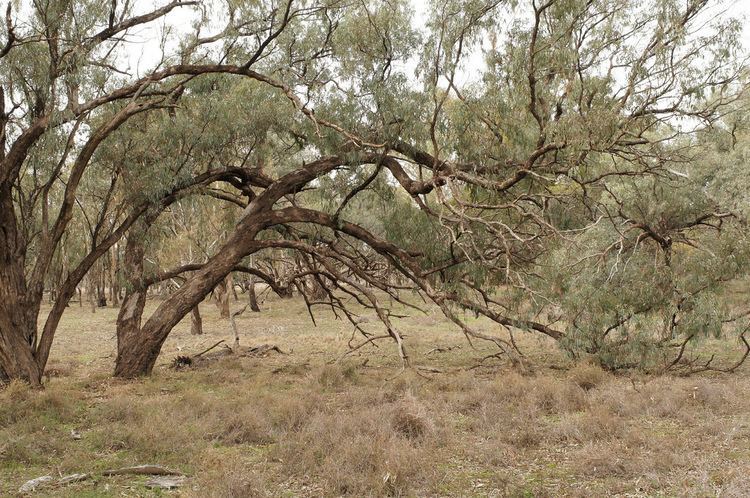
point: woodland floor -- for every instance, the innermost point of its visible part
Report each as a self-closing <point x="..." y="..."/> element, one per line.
<point x="297" y="425"/>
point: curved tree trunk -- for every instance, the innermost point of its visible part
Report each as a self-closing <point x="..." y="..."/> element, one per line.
<point x="137" y="354"/>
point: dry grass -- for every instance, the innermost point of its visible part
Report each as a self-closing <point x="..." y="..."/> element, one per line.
<point x="299" y="425"/>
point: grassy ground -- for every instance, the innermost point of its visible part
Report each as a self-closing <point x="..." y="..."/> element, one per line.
<point x="297" y="425"/>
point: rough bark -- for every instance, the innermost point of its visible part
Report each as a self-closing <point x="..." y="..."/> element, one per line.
<point x="131" y="312"/>
<point x="18" y="306"/>
<point x="138" y="357"/>
<point x="138" y="354"/>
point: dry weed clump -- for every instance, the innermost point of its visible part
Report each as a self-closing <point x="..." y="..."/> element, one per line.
<point x="596" y="424"/>
<point x="336" y="376"/>
<point x="619" y="397"/>
<point x="245" y="425"/>
<point x="291" y="411"/>
<point x="587" y="375"/>
<point x="359" y="452"/>
<point x="511" y="387"/>
<point x="601" y="460"/>
<point x="665" y="397"/>
<point x="227" y="476"/>
<point x="553" y="396"/>
<point x="709" y="394"/>
<point x="36" y="408"/>
<point x="409" y="418"/>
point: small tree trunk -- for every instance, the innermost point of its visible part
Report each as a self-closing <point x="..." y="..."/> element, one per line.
<point x="196" y="322"/>
<point x="114" y="288"/>
<point x="234" y="289"/>
<point x="252" y="296"/>
<point x="91" y="291"/>
<point x="316" y="289"/>
<point x="221" y="294"/>
<point x="234" y="328"/>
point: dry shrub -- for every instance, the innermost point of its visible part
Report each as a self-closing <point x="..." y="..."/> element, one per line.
<point x="32" y="423"/>
<point x="666" y="455"/>
<point x="121" y="409"/>
<point x="601" y="423"/>
<point x="245" y="426"/>
<point x="587" y="375"/>
<point x="555" y="396"/>
<point x="594" y="425"/>
<point x="409" y="382"/>
<point x="664" y="397"/>
<point x="511" y="387"/>
<point x="224" y="476"/>
<point x="522" y="431"/>
<point x="290" y="412"/>
<point x="459" y="382"/>
<point x="619" y="397"/>
<point x="27" y="449"/>
<point x="355" y="453"/>
<point x="13" y="397"/>
<point x="36" y="408"/>
<point x="336" y="376"/>
<point x="709" y="394"/>
<point x="600" y="460"/>
<point x="474" y="401"/>
<point x="409" y="418"/>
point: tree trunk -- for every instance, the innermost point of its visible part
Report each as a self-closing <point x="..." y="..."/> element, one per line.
<point x="316" y="289"/>
<point x="114" y="287"/>
<point x="129" y="335"/>
<point x="138" y="354"/>
<point x="196" y="322"/>
<point x="221" y="296"/>
<point x="19" y="306"/>
<point x="253" y="297"/>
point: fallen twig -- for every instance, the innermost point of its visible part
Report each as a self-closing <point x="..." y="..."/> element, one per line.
<point x="209" y="349"/>
<point x="441" y="350"/>
<point x="263" y="349"/>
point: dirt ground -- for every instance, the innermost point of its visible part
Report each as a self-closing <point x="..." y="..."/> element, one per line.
<point x="304" y="424"/>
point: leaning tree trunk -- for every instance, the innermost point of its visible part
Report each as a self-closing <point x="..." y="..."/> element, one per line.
<point x="137" y="354"/>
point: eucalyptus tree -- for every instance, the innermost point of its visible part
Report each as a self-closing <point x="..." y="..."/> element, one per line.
<point x="487" y="179"/>
<point x="66" y="89"/>
<point x="581" y="102"/>
<point x="576" y="94"/>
